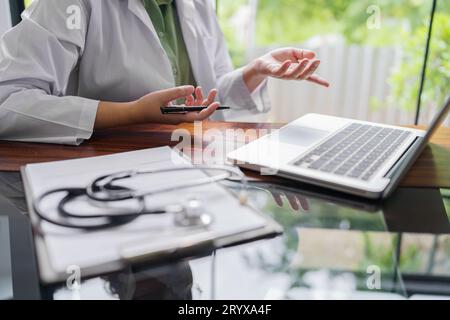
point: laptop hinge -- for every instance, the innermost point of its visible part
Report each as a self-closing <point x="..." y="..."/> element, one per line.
<point x="403" y="164"/>
<point x="398" y="164"/>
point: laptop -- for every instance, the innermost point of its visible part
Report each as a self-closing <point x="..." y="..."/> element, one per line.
<point x="357" y="157"/>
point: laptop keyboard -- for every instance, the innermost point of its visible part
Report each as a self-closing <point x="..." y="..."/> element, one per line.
<point x="357" y="151"/>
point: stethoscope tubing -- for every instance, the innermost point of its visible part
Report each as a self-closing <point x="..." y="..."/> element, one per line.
<point x="104" y="185"/>
<point x="102" y="182"/>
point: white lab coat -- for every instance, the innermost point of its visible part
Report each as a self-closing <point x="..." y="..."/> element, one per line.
<point x="53" y="74"/>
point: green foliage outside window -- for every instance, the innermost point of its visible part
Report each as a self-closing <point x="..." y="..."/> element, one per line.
<point x="404" y="23"/>
<point x="437" y="85"/>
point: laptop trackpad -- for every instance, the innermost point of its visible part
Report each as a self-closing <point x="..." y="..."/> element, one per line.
<point x="301" y="135"/>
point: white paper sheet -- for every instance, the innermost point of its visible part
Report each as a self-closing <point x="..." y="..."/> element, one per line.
<point x="67" y="247"/>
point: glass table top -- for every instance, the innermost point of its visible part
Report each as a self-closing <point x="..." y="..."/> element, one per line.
<point x="333" y="247"/>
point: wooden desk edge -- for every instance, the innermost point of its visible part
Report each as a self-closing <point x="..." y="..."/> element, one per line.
<point x="429" y="171"/>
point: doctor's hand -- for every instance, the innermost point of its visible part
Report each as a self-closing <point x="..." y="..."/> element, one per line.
<point x="147" y="109"/>
<point x="296" y="201"/>
<point x="285" y="63"/>
<point x="145" y="106"/>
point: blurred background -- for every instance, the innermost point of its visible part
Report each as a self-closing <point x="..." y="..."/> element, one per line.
<point x="372" y="52"/>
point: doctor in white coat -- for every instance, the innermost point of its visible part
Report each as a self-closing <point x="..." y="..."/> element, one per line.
<point x="74" y="66"/>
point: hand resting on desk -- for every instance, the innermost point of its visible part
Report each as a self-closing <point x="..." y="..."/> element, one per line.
<point x="147" y="108"/>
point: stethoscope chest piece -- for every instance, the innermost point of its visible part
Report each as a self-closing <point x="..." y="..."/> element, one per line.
<point x="192" y="214"/>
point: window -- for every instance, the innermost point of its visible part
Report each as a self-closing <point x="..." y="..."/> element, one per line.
<point x="372" y="51"/>
<point x="437" y="83"/>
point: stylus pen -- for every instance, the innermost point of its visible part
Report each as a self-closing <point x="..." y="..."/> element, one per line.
<point x="185" y="109"/>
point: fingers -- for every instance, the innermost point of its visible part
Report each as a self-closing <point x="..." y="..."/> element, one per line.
<point x="293" y="202"/>
<point x="296" y="202"/>
<point x="318" y="80"/>
<point x="166" y="96"/>
<point x="303" y="203"/>
<point x="301" y="54"/>
<point x="309" y="70"/>
<point x="205" y="114"/>
<point x="202" y="115"/>
<point x="304" y="70"/>
<point x="190" y="101"/>
<point x="301" y="71"/>
<point x="293" y="54"/>
<point x="199" y="96"/>
<point x="199" y="100"/>
<point x="193" y="97"/>
<point x="298" y="64"/>
<point x="277" y="198"/>
<point x="211" y="98"/>
<point x="295" y="72"/>
<point x="278" y="71"/>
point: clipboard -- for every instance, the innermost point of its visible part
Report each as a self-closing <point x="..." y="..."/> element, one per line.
<point x="233" y="223"/>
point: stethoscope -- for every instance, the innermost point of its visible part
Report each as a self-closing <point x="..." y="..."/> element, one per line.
<point x="104" y="190"/>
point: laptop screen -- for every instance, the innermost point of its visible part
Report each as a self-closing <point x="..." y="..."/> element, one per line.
<point x="6" y="281"/>
<point x="438" y="119"/>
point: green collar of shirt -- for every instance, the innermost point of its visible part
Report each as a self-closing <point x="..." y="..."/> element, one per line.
<point x="164" y="16"/>
<point x="161" y="2"/>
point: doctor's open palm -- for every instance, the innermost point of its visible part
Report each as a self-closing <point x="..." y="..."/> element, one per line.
<point x="286" y="64"/>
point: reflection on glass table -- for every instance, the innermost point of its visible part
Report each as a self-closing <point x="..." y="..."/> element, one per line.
<point x="342" y="247"/>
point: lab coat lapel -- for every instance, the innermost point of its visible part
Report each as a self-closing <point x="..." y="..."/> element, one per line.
<point x="186" y="14"/>
<point x="135" y="6"/>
